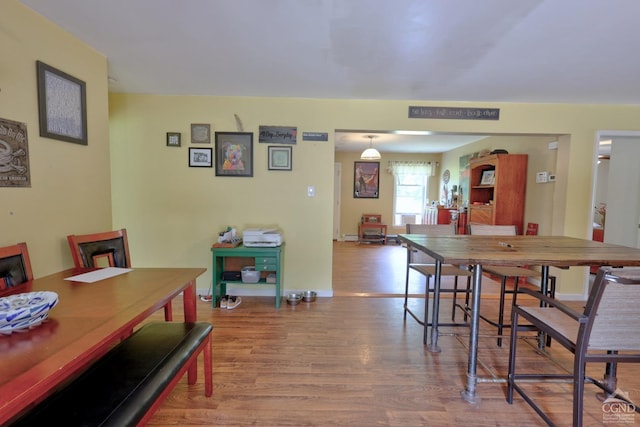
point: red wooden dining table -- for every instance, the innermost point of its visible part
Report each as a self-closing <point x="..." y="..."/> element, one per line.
<point x="88" y="319"/>
<point x="476" y="251"/>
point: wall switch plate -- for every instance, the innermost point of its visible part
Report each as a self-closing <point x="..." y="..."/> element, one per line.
<point x="552" y="177"/>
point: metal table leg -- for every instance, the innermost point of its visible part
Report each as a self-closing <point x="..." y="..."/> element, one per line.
<point x="469" y="393"/>
<point x="433" y="345"/>
<point x="544" y="285"/>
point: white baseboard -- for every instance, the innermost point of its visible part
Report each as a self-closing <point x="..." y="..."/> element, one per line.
<point x="254" y="292"/>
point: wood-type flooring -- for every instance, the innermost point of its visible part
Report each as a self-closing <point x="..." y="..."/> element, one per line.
<point x="352" y="360"/>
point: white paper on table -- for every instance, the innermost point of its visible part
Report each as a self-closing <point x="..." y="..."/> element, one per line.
<point x="101" y="274"/>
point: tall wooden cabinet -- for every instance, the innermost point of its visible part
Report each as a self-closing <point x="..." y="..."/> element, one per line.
<point x="497" y="188"/>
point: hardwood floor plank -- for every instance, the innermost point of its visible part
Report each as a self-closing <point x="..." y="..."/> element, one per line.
<point x="353" y="361"/>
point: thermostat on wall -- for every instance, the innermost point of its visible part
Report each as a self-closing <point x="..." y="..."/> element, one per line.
<point x="542" y="177"/>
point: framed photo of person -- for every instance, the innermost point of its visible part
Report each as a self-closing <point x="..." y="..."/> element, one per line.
<point x="366" y="180"/>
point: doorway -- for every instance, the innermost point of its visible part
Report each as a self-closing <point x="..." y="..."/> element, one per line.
<point x="337" y="194"/>
<point x="615" y="187"/>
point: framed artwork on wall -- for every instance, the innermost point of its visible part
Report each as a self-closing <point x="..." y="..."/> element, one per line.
<point x="200" y="133"/>
<point x="366" y="180"/>
<point x="234" y="153"/>
<point x="62" y="105"/>
<point x="173" y="139"/>
<point x="279" y="158"/>
<point x="200" y="157"/>
<point x="15" y="168"/>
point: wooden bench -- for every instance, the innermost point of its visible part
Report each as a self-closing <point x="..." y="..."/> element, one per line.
<point x="128" y="384"/>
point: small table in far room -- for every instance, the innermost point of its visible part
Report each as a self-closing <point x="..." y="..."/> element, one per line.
<point x="371" y="229"/>
<point x="265" y="259"/>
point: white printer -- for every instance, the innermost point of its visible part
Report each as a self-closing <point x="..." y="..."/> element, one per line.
<point x="261" y="237"/>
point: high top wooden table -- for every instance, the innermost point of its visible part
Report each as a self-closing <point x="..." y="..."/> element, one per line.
<point x="88" y="319"/>
<point x="544" y="251"/>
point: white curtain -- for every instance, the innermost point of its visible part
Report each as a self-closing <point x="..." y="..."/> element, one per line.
<point x="418" y="169"/>
<point x="412" y="168"/>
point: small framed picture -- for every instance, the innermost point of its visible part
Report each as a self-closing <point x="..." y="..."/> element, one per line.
<point x="173" y="139"/>
<point x="279" y="158"/>
<point x="62" y="105"/>
<point x="200" y="157"/>
<point x="488" y="177"/>
<point x="234" y="153"/>
<point x="200" y="133"/>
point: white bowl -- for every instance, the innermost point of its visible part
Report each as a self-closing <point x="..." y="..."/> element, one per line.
<point x="25" y="310"/>
<point x="250" y="275"/>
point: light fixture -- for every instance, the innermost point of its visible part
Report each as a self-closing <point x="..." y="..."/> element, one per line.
<point x="370" y="153"/>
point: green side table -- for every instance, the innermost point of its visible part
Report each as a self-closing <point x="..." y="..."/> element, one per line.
<point x="264" y="259"/>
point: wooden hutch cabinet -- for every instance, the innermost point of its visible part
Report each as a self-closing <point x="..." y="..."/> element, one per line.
<point x="497" y="187"/>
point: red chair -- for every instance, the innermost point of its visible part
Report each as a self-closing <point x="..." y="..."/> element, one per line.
<point x="109" y="248"/>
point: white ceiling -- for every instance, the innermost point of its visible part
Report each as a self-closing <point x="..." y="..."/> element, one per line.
<point x="541" y="51"/>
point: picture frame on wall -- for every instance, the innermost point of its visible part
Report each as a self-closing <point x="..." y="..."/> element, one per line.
<point x="173" y="139"/>
<point x="234" y="154"/>
<point x="200" y="157"/>
<point x="200" y="133"/>
<point x="366" y="180"/>
<point x="62" y="105"/>
<point x="279" y="158"/>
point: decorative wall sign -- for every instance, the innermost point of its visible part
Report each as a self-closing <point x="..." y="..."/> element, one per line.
<point x="454" y="113"/>
<point x="366" y="180"/>
<point x="234" y="153"/>
<point x="14" y="155"/>
<point x="200" y="157"/>
<point x="62" y="104"/>
<point x="278" y="134"/>
<point x="315" y="136"/>
<point x="200" y="133"/>
<point x="279" y="158"/>
<point x="173" y="139"/>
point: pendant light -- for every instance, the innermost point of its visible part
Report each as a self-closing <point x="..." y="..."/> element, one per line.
<point x="370" y="153"/>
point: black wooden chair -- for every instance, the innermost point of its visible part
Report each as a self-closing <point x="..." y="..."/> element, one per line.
<point x="15" y="269"/>
<point x="108" y="248"/>
<point x="607" y="331"/>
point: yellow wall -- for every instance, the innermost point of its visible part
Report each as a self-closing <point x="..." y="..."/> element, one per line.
<point x="70" y="188"/>
<point x="174" y="212"/>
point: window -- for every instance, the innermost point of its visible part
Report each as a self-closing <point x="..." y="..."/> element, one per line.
<point x="409" y="199"/>
<point x="411" y="181"/>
